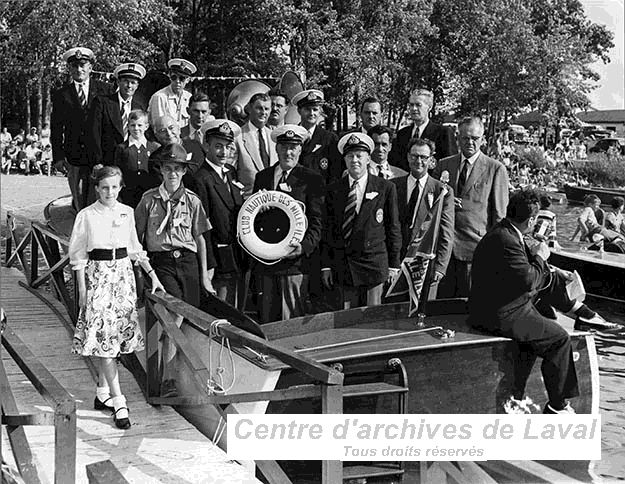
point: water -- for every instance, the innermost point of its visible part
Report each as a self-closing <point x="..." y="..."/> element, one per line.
<point x="611" y="353"/>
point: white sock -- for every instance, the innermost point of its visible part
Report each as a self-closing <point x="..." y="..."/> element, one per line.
<point x="102" y="393"/>
<point x="119" y="402"/>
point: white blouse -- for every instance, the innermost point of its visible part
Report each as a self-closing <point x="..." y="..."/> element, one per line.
<point x="101" y="227"/>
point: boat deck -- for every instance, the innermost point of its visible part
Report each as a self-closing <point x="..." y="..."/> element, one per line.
<point x="161" y="446"/>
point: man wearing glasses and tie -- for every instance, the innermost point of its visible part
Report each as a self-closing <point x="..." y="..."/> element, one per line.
<point x="68" y="124"/>
<point x="480" y="186"/>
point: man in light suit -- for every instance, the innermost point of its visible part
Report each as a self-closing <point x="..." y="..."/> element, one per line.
<point x="382" y="143"/>
<point x="285" y="285"/>
<point x="68" y="123"/>
<point x="362" y="236"/>
<point x="480" y="186"/>
<point x="199" y="111"/>
<point x="257" y="150"/>
<point x="417" y="207"/>
<point x="420" y="105"/>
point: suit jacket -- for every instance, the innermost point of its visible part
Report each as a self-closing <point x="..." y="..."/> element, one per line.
<point x="395" y="172"/>
<point x="221" y="203"/>
<point x="484" y="200"/>
<point x="135" y="183"/>
<point x="307" y="187"/>
<point x="425" y="212"/>
<point x="440" y="135"/>
<point x="105" y="123"/>
<point x="249" y="161"/>
<point x="504" y="275"/>
<point x="320" y="153"/>
<point x="68" y="122"/>
<point x="376" y="235"/>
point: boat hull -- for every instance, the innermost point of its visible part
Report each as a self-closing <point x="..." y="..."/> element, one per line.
<point x="577" y="194"/>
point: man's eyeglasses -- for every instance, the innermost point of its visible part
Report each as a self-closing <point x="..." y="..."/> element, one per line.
<point x="177" y="77"/>
<point x="413" y="157"/>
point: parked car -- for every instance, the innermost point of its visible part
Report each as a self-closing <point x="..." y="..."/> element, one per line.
<point x="592" y="133"/>
<point x="518" y="133"/>
<point x="603" y="145"/>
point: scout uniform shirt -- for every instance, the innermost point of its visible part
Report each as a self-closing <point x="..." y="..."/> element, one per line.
<point x="169" y="223"/>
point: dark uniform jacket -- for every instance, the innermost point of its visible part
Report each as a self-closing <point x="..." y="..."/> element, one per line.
<point x="504" y="276"/>
<point x="221" y="203"/>
<point x="307" y="187"/>
<point x="68" y="122"/>
<point x="320" y="153"/>
<point x="425" y="212"/>
<point x="376" y="236"/>
<point x="138" y="174"/>
<point x="440" y="135"/>
<point x="105" y="124"/>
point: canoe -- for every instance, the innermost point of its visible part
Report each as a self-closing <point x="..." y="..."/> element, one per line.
<point x="575" y="194"/>
<point x="602" y="273"/>
<point x="469" y="372"/>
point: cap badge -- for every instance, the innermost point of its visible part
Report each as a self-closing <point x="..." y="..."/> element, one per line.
<point x="131" y="67"/>
<point x="312" y="96"/>
<point x="323" y="163"/>
<point x="225" y="129"/>
<point x="289" y="134"/>
<point x="353" y="140"/>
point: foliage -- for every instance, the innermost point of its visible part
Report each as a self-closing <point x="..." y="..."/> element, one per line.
<point x="604" y="170"/>
<point x="534" y="156"/>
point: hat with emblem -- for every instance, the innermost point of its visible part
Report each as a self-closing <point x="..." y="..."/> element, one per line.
<point x="78" y="54"/>
<point x="182" y="66"/>
<point x="290" y="134"/>
<point x="129" y="69"/>
<point x="221" y="128"/>
<point x="172" y="153"/>
<point x="355" y="141"/>
<point x="309" y="97"/>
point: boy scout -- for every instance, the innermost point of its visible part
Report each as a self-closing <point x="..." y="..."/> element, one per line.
<point x="170" y="224"/>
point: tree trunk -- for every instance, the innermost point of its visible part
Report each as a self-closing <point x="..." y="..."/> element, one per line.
<point x="47" y="104"/>
<point x="39" y="104"/>
<point x="27" y="103"/>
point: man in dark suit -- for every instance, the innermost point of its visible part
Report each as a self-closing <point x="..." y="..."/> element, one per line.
<point x="514" y="294"/>
<point x="382" y="137"/>
<point x="284" y="285"/>
<point x="199" y="111"/>
<point x="362" y="236"/>
<point x="68" y="122"/>
<point x="221" y="196"/>
<point x="419" y="106"/>
<point x="480" y="186"/>
<point x="108" y="119"/>
<point x="319" y="153"/>
<point x="416" y="207"/>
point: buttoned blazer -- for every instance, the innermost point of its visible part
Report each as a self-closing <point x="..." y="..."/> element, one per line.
<point x="307" y="187"/>
<point x="105" y="124"/>
<point x="484" y="200"/>
<point x="249" y="161"/>
<point x="425" y="212"/>
<point x="69" y="128"/>
<point x="320" y="153"/>
<point x="375" y="242"/>
<point x="441" y="136"/>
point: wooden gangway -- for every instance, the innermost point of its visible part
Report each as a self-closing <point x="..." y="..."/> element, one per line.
<point x="161" y="446"/>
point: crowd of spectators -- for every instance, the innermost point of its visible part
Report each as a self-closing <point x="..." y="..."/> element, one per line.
<point x="28" y="154"/>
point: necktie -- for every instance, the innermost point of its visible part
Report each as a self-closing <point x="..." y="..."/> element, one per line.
<point x="412" y="204"/>
<point x="81" y="96"/>
<point x="282" y="180"/>
<point x="349" y="213"/>
<point x="224" y="177"/>
<point x="381" y="171"/>
<point x="462" y="179"/>
<point x="125" y="118"/>
<point x="198" y="136"/>
<point x="264" y="156"/>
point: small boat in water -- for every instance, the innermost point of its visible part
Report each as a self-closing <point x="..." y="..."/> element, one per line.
<point x="576" y="194"/>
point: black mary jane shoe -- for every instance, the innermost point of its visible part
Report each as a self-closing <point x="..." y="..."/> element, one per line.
<point x="102" y="405"/>
<point x="121" y="423"/>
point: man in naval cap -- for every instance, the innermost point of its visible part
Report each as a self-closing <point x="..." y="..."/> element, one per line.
<point x="173" y="100"/>
<point x="284" y="285"/>
<point x="68" y="124"/>
<point x="362" y="237"/>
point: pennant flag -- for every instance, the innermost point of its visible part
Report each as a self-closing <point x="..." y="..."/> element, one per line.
<point x="420" y="252"/>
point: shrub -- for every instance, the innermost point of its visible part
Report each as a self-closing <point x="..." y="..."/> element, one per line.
<point x="604" y="170"/>
<point x="532" y="156"/>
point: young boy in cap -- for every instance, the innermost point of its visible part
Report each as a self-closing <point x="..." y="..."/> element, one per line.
<point x="284" y="285"/>
<point x="68" y="122"/>
<point x="173" y="100"/>
<point x="170" y="223"/>
<point x="362" y="237"/>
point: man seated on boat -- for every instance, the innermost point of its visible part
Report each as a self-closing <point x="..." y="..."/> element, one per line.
<point x="614" y="218"/>
<point x="589" y="223"/>
<point x="514" y="293"/>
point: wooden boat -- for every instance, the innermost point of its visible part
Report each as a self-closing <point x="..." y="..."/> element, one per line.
<point x="391" y="365"/>
<point x="603" y="273"/>
<point x="575" y="194"/>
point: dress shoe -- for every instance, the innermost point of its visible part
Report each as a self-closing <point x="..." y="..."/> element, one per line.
<point x="122" y="421"/>
<point x="106" y="404"/>
<point x="168" y="389"/>
<point x="567" y="410"/>
<point x="595" y="322"/>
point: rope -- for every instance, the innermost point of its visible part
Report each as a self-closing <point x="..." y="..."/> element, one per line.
<point x="215" y="384"/>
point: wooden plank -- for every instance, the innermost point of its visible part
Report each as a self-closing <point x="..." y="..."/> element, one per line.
<point x="38" y="281"/>
<point x="40" y="418"/>
<point x="34" y="259"/>
<point x="450" y="469"/>
<point x="540" y="471"/>
<point x="18" y="252"/>
<point x="49" y="233"/>
<point x="104" y="472"/>
<point x="475" y="474"/>
<point x="331" y="402"/>
<point x="153" y="378"/>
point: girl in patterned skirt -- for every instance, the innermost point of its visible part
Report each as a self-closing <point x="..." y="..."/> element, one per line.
<point x="102" y="246"/>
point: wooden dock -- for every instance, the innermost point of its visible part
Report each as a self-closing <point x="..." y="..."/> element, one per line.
<point x="160" y="447"/>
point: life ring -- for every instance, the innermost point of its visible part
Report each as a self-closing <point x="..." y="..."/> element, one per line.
<point x="268" y="223"/>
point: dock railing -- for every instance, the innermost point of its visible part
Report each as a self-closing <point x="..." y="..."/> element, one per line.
<point x="63" y="417"/>
<point x="160" y="310"/>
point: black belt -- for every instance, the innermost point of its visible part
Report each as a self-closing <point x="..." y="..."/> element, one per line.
<point x="171" y="254"/>
<point x="108" y="254"/>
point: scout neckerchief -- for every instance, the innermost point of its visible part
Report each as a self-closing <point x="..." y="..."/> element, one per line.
<point x="169" y="201"/>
